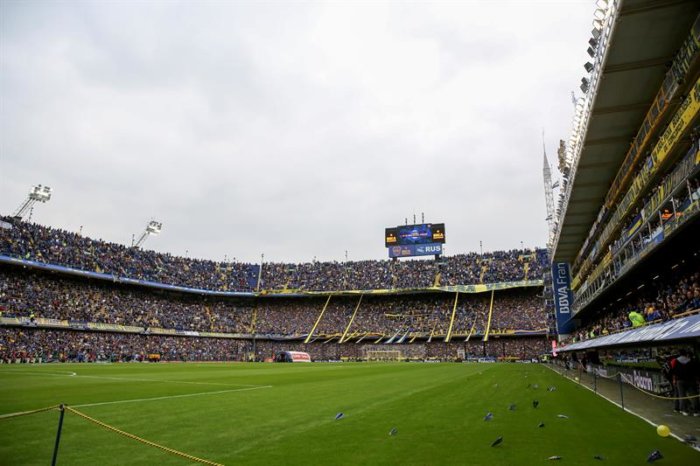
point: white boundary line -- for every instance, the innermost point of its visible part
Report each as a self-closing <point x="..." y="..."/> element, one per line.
<point x="186" y="395"/>
<point x="139" y="400"/>
<point x="184" y="382"/>
<point x="627" y="410"/>
<point x="121" y="379"/>
<point x="3" y="416"/>
<point x="20" y="372"/>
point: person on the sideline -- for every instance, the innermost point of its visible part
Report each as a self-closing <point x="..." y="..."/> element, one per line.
<point x="685" y="374"/>
<point x="636" y="318"/>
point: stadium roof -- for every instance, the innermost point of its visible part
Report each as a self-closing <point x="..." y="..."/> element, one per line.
<point x="647" y="35"/>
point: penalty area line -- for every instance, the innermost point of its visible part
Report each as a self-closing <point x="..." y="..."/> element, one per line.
<point x="169" y="397"/>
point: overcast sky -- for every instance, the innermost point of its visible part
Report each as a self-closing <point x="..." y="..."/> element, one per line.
<point x="298" y="130"/>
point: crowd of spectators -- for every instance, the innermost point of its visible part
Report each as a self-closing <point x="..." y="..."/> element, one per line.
<point x="59" y="247"/>
<point x="522" y="310"/>
<point x="498" y="266"/>
<point x="96" y="301"/>
<point x="289" y="317"/>
<point x="26" y="345"/>
<point x="512" y="348"/>
<point x="496" y="348"/>
<point x="52" y="296"/>
<point x="461" y="269"/>
<point x="38" y="345"/>
<point x="663" y="299"/>
<point x="36" y="295"/>
<point x="396" y="316"/>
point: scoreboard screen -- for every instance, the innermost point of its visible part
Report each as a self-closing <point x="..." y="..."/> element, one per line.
<point x="408" y="235"/>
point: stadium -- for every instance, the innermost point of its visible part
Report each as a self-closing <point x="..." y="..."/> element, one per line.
<point x="583" y="350"/>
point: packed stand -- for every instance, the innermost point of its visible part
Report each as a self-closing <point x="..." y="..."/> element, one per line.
<point x="24" y="294"/>
<point x="494" y="267"/>
<point x="431" y="314"/>
<point x="462" y="269"/>
<point x="401" y="314"/>
<point x="512" y="348"/>
<point x="59" y="247"/>
<point x="290" y="317"/>
<point x="662" y="300"/>
<point x="37" y="345"/>
<point x="520" y="310"/>
<point x="503" y="348"/>
<point x="336" y="317"/>
<point x="44" y="295"/>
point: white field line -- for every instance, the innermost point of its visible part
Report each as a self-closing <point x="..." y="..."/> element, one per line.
<point x="626" y="409"/>
<point x="186" y="395"/>
<point x="3" y="416"/>
<point x="129" y="379"/>
<point x="122" y="379"/>
<point x="139" y="400"/>
<point x="19" y="371"/>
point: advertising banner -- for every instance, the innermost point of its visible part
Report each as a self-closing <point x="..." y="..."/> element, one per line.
<point x="563" y="297"/>
<point x="409" y="250"/>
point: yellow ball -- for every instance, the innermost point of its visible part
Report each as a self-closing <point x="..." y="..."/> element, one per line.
<point x="663" y="430"/>
<point x="576" y="379"/>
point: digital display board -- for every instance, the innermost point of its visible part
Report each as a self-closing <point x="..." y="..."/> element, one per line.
<point x="411" y="250"/>
<point x="407" y="235"/>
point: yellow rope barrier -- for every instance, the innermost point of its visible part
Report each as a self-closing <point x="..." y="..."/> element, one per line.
<point x="144" y="441"/>
<point x="627" y="380"/>
<point x="27" y="413"/>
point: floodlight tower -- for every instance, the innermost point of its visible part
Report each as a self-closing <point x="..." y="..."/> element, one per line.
<point x="38" y="193"/>
<point x="153" y="228"/>
<point x="548" y="196"/>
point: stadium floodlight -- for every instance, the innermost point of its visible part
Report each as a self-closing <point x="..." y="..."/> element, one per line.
<point x="591" y="52"/>
<point x="593" y="42"/>
<point x="602" y="4"/>
<point x="600" y="14"/>
<point x="588" y="66"/>
<point x="38" y="193"/>
<point x="585" y="85"/>
<point x="598" y="24"/>
<point x="153" y="228"/>
<point x="595" y="33"/>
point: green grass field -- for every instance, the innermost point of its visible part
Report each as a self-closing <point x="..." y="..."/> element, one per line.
<point x="284" y="414"/>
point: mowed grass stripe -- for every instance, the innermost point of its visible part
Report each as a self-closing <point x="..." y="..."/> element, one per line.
<point x="361" y="398"/>
<point x="438" y="410"/>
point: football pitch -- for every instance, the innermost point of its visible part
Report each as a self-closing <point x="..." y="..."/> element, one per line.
<point x="286" y="414"/>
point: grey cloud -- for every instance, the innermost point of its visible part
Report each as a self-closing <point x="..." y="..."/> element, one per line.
<point x="298" y="130"/>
